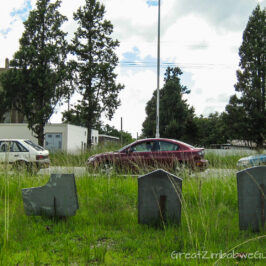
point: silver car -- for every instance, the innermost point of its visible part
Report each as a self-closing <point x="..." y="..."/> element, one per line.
<point x="253" y="160"/>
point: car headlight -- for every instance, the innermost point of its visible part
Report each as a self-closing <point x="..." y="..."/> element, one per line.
<point x="201" y="153"/>
<point x="91" y="159"/>
<point x="242" y="162"/>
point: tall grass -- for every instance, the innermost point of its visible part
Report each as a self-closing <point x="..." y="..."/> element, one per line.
<point x="226" y="158"/>
<point x="105" y="228"/>
<point x="79" y="160"/>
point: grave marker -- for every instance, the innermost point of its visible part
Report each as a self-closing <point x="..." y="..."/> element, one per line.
<point x="251" y="186"/>
<point x="58" y="198"/>
<point x="159" y="198"/>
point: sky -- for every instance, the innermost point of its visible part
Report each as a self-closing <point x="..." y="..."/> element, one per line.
<point x="202" y="37"/>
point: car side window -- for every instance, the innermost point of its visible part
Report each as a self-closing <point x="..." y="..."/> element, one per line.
<point x="168" y="146"/>
<point x="147" y="146"/>
<point x="14" y="147"/>
<point x="22" y="148"/>
<point x="17" y="147"/>
<point x="4" y="146"/>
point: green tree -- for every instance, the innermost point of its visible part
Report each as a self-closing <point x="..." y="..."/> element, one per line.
<point x="112" y="131"/>
<point x="248" y="106"/>
<point x="210" y="130"/>
<point x="234" y="120"/>
<point x="176" y="117"/>
<point x="95" y="64"/>
<point x="37" y="79"/>
<point x="3" y="101"/>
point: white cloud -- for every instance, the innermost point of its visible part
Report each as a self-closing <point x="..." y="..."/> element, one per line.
<point x="133" y="99"/>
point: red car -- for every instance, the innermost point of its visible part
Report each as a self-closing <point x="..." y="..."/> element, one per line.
<point x="151" y="153"/>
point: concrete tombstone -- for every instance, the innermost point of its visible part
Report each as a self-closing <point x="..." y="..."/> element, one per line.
<point x="251" y="186"/>
<point x="159" y="198"/>
<point x="58" y="198"/>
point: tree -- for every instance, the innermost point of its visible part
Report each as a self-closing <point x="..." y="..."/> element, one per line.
<point x="95" y="64"/>
<point x="250" y="107"/>
<point x="234" y="120"/>
<point x="210" y="130"/>
<point x="37" y="80"/>
<point x="3" y="103"/>
<point x="112" y="131"/>
<point x="176" y="117"/>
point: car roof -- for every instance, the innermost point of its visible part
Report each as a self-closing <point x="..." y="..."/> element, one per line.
<point x="156" y="139"/>
<point x="13" y="139"/>
<point x="163" y="139"/>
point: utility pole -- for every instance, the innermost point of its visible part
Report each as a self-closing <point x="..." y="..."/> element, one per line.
<point x="157" y="135"/>
<point x="121" y="130"/>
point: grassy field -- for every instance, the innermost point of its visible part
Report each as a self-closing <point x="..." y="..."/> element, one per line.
<point x="105" y="228"/>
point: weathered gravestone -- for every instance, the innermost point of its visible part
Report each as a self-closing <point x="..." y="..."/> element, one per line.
<point x="159" y="198"/>
<point x="251" y="186"/>
<point x="58" y="198"/>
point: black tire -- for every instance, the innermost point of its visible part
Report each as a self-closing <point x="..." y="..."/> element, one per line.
<point x="181" y="168"/>
<point x="20" y="166"/>
<point x="106" y="167"/>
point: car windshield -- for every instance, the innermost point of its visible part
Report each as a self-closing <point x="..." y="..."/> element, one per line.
<point x="124" y="148"/>
<point x="35" y="146"/>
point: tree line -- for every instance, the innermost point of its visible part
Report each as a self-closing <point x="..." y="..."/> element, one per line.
<point x="244" y="117"/>
<point x="46" y="70"/>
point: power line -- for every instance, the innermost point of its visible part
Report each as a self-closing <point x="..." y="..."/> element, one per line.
<point x="151" y="64"/>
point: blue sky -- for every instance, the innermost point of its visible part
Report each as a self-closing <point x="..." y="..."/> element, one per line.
<point x="22" y="12"/>
<point x="202" y="37"/>
<point x="152" y="2"/>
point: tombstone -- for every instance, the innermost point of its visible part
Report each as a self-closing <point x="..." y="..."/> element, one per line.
<point x="58" y="198"/>
<point x="251" y="186"/>
<point x="159" y="198"/>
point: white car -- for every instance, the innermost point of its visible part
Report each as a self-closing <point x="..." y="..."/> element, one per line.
<point x="23" y="153"/>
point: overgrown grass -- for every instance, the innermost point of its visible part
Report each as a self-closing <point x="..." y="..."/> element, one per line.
<point x="105" y="228"/>
<point x="79" y="160"/>
<point x="226" y="158"/>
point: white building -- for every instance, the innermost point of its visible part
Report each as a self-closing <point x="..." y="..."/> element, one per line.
<point x="58" y="137"/>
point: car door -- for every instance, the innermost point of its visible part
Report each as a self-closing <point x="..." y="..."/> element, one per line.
<point x="18" y="152"/>
<point x="140" y="155"/>
<point x="169" y="154"/>
<point x="3" y="151"/>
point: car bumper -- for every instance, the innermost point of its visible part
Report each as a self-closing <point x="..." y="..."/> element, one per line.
<point x="43" y="163"/>
<point x="201" y="164"/>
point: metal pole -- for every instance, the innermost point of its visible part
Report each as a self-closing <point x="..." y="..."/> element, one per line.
<point x="121" y="130"/>
<point x="157" y="135"/>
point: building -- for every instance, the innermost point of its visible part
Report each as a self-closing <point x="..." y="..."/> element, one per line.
<point x="58" y="137"/>
<point x="94" y="137"/>
<point x="107" y="139"/>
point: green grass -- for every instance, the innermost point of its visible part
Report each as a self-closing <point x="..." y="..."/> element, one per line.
<point x="105" y="229"/>
<point x="79" y="160"/>
<point x="226" y="158"/>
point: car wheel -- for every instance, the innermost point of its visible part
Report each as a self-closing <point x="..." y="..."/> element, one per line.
<point x="20" y="166"/>
<point x="32" y="168"/>
<point x="106" y="168"/>
<point x="180" y="167"/>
